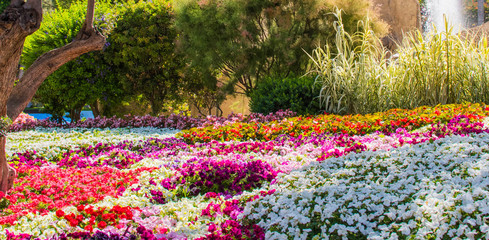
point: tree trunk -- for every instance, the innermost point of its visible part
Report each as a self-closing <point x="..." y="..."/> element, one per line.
<point x="75" y="114"/>
<point x="95" y="109"/>
<point x="156" y="107"/>
<point x="7" y="173"/>
<point x="17" y="22"/>
<point x="480" y="12"/>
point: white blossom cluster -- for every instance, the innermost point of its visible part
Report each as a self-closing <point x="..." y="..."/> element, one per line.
<point x="436" y="190"/>
<point x="49" y="142"/>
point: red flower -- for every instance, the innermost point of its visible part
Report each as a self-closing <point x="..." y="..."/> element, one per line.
<point x="73" y="223"/>
<point x="60" y="213"/>
<point x="89" y="228"/>
<point x="80" y="208"/>
<point x="102" y="225"/>
<point x="106" y="216"/>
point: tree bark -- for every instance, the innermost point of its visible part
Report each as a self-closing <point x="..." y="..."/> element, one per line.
<point x="95" y="109"/>
<point x="17" y="22"/>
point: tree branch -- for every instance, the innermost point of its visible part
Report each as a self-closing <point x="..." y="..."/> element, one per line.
<point x="87" y="40"/>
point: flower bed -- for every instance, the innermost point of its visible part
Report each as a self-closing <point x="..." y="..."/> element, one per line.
<point x="173" y="121"/>
<point x="406" y="181"/>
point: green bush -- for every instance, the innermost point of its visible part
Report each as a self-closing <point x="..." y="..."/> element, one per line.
<point x="295" y="93"/>
<point x="142" y="53"/>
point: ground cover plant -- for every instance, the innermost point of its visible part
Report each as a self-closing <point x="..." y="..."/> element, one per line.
<point x="411" y="174"/>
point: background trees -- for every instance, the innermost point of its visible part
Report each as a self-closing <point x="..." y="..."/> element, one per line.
<point x="3" y="5"/>
<point x="247" y="40"/>
<point x="143" y="58"/>
<point x="139" y="58"/>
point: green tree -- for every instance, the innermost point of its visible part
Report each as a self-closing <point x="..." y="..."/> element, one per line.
<point x="248" y="40"/>
<point x="80" y="81"/>
<point x="142" y="53"/>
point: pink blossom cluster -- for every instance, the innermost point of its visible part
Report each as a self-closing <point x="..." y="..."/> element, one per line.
<point x="173" y="121"/>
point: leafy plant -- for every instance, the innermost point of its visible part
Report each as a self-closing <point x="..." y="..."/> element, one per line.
<point x="4" y="4"/>
<point x="295" y="93"/>
<point x="442" y="68"/>
<point x="5" y="123"/>
<point x="142" y="53"/>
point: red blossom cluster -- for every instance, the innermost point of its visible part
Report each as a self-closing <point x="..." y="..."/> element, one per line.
<point x="42" y="190"/>
<point x="89" y="217"/>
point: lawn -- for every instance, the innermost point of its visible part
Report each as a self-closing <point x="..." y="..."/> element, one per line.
<point x="400" y="174"/>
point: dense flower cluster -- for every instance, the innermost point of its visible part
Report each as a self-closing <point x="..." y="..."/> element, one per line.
<point x="42" y="190"/>
<point x="398" y="180"/>
<point x="201" y="176"/>
<point x="173" y="121"/>
<point x="426" y="191"/>
<point x="351" y="124"/>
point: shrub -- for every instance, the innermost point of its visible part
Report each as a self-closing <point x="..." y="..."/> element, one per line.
<point x="142" y="54"/>
<point x="295" y="93"/>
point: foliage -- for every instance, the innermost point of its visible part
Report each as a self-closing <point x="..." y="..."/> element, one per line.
<point x="141" y="53"/>
<point x="4" y="4"/>
<point x="80" y="81"/>
<point x="295" y="93"/>
<point x="440" y="68"/>
<point x="348" y="74"/>
<point x="246" y="41"/>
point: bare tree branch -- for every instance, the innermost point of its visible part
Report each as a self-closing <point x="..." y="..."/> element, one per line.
<point x="90" y="13"/>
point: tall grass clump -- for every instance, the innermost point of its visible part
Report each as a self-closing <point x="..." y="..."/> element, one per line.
<point x="351" y="75"/>
<point x="439" y="68"/>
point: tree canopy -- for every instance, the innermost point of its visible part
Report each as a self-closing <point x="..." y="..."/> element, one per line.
<point x="247" y="40"/>
<point x="142" y="53"/>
